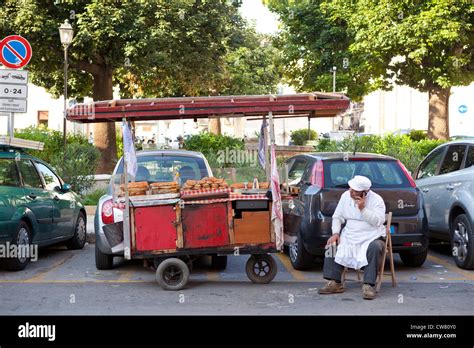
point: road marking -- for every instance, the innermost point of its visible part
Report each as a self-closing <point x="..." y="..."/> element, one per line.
<point x="467" y="274"/>
<point x="72" y="281"/>
<point x="126" y="275"/>
<point x="212" y="276"/>
<point x="41" y="275"/>
<point x="285" y="260"/>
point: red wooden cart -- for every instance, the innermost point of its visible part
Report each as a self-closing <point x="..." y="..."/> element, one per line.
<point x="174" y="229"/>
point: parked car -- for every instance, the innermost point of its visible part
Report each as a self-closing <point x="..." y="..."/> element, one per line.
<point x="36" y="206"/>
<point x="318" y="180"/>
<point x="446" y="179"/>
<point x="153" y="166"/>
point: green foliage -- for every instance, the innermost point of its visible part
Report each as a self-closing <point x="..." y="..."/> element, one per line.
<point x="210" y="144"/>
<point x="93" y="197"/>
<point x="76" y="165"/>
<point x="119" y="142"/>
<point x="252" y="68"/>
<point x="431" y="38"/>
<point x="52" y="139"/>
<point x="402" y="147"/>
<point x="151" y="48"/>
<point x="300" y="136"/>
<point x="417" y="135"/>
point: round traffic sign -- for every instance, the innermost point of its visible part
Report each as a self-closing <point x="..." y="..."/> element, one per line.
<point x="15" y="51"/>
<point x="462" y="109"/>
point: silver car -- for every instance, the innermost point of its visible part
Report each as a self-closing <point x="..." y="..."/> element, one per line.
<point x="153" y="166"/>
<point x="446" y="179"/>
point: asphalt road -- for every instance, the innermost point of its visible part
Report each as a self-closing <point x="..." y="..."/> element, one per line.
<point x="66" y="282"/>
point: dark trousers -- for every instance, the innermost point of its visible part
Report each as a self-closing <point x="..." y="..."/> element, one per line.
<point x="333" y="270"/>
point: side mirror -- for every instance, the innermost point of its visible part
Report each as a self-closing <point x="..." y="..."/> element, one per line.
<point x="66" y="188"/>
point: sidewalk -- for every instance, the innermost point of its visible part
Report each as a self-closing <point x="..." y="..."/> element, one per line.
<point x="90" y="238"/>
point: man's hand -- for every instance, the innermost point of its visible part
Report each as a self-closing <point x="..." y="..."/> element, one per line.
<point x="333" y="239"/>
<point x="360" y="201"/>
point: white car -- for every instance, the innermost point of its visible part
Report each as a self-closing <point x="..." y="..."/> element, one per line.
<point x="446" y="179"/>
<point x="153" y="166"/>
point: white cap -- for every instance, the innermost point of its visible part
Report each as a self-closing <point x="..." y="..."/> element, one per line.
<point x="360" y="183"/>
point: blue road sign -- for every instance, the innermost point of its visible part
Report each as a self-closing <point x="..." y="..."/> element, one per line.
<point x="462" y="109"/>
<point x="15" y="51"/>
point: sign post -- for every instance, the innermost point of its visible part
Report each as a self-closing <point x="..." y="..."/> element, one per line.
<point x="15" y="53"/>
<point x="13" y="94"/>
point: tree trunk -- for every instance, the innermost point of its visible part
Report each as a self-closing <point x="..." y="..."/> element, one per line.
<point x="215" y="126"/>
<point x="438" y="120"/>
<point x="104" y="133"/>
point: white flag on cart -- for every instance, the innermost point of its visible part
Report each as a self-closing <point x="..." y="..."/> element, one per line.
<point x="277" y="213"/>
<point x="129" y="154"/>
<point x="261" y="145"/>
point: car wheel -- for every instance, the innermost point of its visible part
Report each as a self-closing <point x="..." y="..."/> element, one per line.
<point x="218" y="262"/>
<point x="461" y="242"/>
<point x="22" y="237"/>
<point x="79" y="239"/>
<point x="103" y="261"/>
<point x="300" y="259"/>
<point x="414" y="259"/>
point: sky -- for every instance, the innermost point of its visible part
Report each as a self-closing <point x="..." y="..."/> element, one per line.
<point x="265" y="21"/>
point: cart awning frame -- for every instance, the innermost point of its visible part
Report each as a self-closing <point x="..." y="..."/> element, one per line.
<point x="290" y="105"/>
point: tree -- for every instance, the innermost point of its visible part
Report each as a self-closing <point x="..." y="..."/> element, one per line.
<point x="426" y="45"/>
<point x="252" y="67"/>
<point x="311" y="44"/>
<point x="147" y="48"/>
<point x="301" y="136"/>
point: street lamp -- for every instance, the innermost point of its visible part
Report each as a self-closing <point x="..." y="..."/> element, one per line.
<point x="334" y="68"/>
<point x="66" y="34"/>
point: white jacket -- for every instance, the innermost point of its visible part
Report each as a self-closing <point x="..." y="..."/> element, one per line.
<point x="362" y="227"/>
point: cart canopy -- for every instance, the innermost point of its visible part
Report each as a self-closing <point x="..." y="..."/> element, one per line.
<point x="291" y="105"/>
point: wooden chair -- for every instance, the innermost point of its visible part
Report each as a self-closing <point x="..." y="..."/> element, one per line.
<point x="386" y="251"/>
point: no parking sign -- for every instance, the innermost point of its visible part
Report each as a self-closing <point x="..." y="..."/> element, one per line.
<point x="15" y="51"/>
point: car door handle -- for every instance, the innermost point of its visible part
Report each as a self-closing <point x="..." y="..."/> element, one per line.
<point x="32" y="195"/>
<point x="425" y="189"/>
<point x="450" y="187"/>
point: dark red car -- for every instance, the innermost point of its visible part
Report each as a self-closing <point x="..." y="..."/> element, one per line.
<point x="318" y="180"/>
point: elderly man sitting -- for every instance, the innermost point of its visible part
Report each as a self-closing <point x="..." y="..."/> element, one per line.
<point x="362" y="240"/>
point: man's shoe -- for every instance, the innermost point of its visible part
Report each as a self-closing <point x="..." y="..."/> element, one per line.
<point x="331" y="288"/>
<point x="368" y="292"/>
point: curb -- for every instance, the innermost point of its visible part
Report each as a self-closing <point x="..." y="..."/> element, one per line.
<point x="90" y="233"/>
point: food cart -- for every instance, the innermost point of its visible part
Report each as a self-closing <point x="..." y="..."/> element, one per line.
<point x="174" y="224"/>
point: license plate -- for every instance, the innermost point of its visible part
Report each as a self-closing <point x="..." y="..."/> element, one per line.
<point x="393" y="229"/>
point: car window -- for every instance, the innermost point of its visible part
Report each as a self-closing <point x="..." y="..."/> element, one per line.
<point x="470" y="157"/>
<point x="453" y="159"/>
<point x="389" y="173"/>
<point x="429" y="165"/>
<point x="158" y="168"/>
<point x="29" y="174"/>
<point x="296" y="171"/>
<point x="9" y="173"/>
<point x="50" y="179"/>
<point x="382" y="174"/>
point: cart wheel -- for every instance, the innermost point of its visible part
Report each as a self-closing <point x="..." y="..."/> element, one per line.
<point x="261" y="269"/>
<point x="172" y="274"/>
